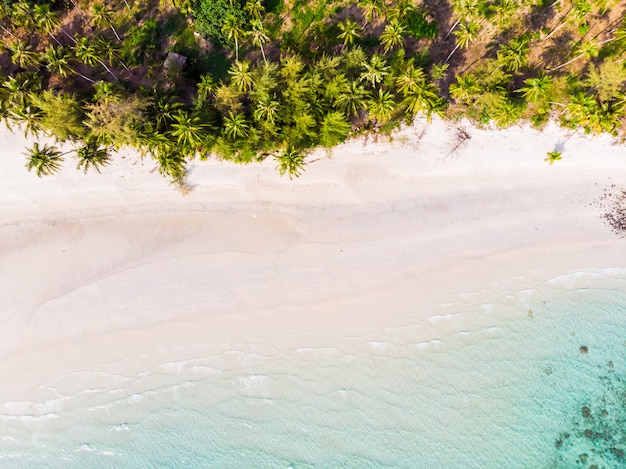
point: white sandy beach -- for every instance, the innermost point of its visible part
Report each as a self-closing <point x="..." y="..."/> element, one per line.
<point x="119" y="272"/>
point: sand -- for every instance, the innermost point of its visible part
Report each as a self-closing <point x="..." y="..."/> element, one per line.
<point x="118" y="272"/>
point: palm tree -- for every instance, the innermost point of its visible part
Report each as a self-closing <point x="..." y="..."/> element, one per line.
<point x="381" y="106"/>
<point x="467" y="33"/>
<point x="206" y="86"/>
<point x="92" y="155"/>
<point x="290" y="161"/>
<point x="266" y="110"/>
<point x="513" y="55"/>
<point x="553" y="156"/>
<point x="254" y="8"/>
<point x="241" y="76"/>
<point x="57" y="61"/>
<point x="46" y="20"/>
<point x="422" y="97"/>
<point x="467" y="10"/>
<point x="353" y="100"/>
<point x="104" y="92"/>
<point x="465" y="89"/>
<point x="350" y="31"/>
<point x="504" y="12"/>
<point x="235" y="126"/>
<point x="375" y="70"/>
<point x="505" y="114"/>
<point x="164" y="109"/>
<point x="259" y="37"/>
<point x="233" y="30"/>
<point x="371" y="9"/>
<point x="334" y="129"/>
<point x="22" y="54"/>
<point x="410" y="79"/>
<point x="589" y="49"/>
<point x="536" y="88"/>
<point x="45" y="161"/>
<point x="393" y="35"/>
<point x="101" y="17"/>
<point x="88" y="54"/>
<point x="22" y="15"/>
<point x="189" y="130"/>
<point x="171" y="164"/>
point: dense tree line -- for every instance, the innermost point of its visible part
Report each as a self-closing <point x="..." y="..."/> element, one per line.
<point x="276" y="78"/>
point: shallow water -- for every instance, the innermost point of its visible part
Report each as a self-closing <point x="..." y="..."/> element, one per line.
<point x="501" y="385"/>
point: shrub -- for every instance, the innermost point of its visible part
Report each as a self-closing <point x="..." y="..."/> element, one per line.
<point x="210" y="16"/>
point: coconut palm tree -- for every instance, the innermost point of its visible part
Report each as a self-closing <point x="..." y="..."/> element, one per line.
<point x="241" y="76"/>
<point x="553" y="156"/>
<point x="254" y="8"/>
<point x="393" y="35"/>
<point x="47" y="21"/>
<point x="375" y="70"/>
<point x="22" y="54"/>
<point x="45" y="161"/>
<point x="381" y="106"/>
<point x="259" y="37"/>
<point x="101" y="17"/>
<point x="466" y="10"/>
<point x="57" y="61"/>
<point x="536" y="88"/>
<point x="190" y="131"/>
<point x="353" y="100"/>
<point x="22" y="15"/>
<point x="290" y="162"/>
<point x="410" y="79"/>
<point x="233" y="30"/>
<point x="91" y="154"/>
<point x="513" y="55"/>
<point x="421" y="98"/>
<point x="236" y="126"/>
<point x="466" y="33"/>
<point x="266" y="110"/>
<point x="350" y="31"/>
<point x="504" y="11"/>
<point x="88" y="54"/>
<point x="465" y="89"/>
<point x="372" y="9"/>
<point x="163" y="109"/>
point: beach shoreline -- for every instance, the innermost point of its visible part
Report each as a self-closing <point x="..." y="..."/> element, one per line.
<point x="98" y="271"/>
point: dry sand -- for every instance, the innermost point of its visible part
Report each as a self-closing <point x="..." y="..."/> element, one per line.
<point x="119" y="271"/>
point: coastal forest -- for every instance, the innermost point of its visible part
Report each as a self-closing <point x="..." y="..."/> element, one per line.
<point x="244" y="80"/>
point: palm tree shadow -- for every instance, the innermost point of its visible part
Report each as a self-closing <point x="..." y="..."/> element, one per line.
<point x="559" y="146"/>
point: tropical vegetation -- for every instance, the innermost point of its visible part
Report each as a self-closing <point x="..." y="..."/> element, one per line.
<point x="244" y="80"/>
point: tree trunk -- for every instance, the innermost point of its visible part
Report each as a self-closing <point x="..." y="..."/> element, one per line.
<point x="263" y="53"/>
<point x="55" y="39"/>
<point x="452" y="53"/>
<point x="108" y="70"/>
<point x="115" y="32"/>
<point x="452" y="28"/>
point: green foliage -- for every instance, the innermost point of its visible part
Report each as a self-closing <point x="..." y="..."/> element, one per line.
<point x="334" y="129"/>
<point x="61" y="115"/>
<point x="117" y="121"/>
<point x="92" y="155"/>
<point x="210" y="17"/>
<point x="553" y="156"/>
<point x="290" y="162"/>
<point x="140" y="42"/>
<point x="418" y="25"/>
<point x="45" y="161"/>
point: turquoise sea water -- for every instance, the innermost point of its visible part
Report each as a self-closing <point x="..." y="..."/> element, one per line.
<point x="534" y="379"/>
